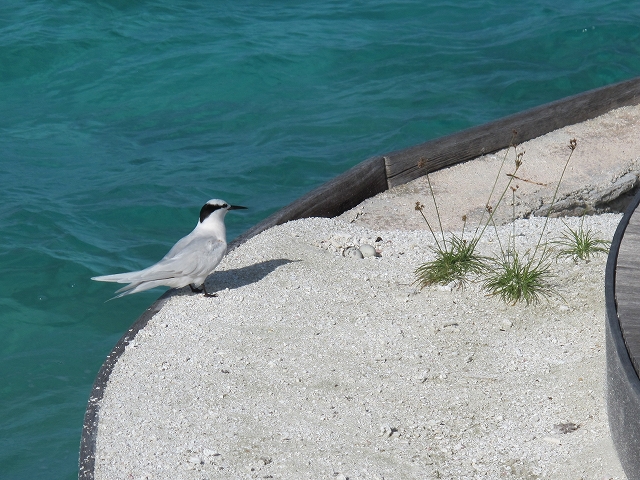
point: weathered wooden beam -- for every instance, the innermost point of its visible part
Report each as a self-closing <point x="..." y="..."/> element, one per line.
<point x="330" y="199"/>
<point x="402" y="166"/>
<point x="627" y="280"/>
<point x="622" y="309"/>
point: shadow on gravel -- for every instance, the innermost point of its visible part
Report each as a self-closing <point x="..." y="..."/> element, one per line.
<point x="239" y="277"/>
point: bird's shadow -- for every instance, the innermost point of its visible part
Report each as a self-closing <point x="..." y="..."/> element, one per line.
<point x="239" y="277"/>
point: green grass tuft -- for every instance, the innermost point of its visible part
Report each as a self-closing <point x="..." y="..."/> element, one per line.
<point x="580" y="244"/>
<point x="456" y="260"/>
<point x="516" y="280"/>
<point x="511" y="277"/>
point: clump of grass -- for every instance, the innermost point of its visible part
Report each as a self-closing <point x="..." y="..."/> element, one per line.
<point x="580" y="244"/>
<point x="456" y="259"/>
<point x="511" y="276"/>
<point x="515" y="279"/>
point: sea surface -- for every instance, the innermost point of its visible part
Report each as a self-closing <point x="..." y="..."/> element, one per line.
<point x="119" y="119"/>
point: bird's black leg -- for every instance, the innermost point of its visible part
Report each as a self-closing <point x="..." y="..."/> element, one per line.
<point x="196" y="290"/>
<point x="207" y="294"/>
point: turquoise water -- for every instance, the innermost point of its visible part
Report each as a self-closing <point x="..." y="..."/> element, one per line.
<point x="119" y="119"/>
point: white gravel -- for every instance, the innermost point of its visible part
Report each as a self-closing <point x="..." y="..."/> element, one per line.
<point x="310" y="364"/>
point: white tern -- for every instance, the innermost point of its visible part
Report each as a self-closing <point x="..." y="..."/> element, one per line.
<point x="189" y="262"/>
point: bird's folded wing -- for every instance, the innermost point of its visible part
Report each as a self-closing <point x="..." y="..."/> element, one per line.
<point x="186" y="261"/>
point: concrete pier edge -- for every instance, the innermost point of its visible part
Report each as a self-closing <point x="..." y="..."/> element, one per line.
<point x="374" y="176"/>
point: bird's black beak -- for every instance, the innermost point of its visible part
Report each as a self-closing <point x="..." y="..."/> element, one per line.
<point x="236" y="207"/>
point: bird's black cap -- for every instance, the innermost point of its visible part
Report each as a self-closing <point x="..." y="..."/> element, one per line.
<point x="213" y="205"/>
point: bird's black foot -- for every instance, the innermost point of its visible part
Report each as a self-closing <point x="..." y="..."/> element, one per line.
<point x="203" y="289"/>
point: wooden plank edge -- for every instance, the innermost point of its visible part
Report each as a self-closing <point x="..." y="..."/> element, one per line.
<point x="623" y="383"/>
<point x="403" y="165"/>
<point x="626" y="298"/>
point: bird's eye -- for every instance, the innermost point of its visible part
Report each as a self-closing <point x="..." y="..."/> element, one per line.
<point x="225" y="206"/>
